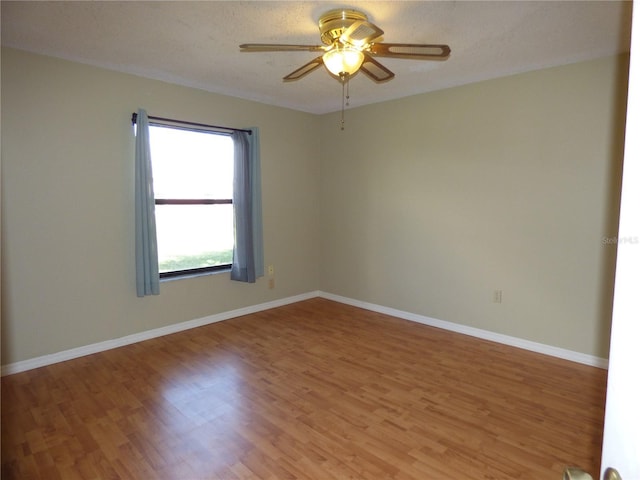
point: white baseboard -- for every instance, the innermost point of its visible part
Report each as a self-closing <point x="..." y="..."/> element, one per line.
<point x="476" y="332"/>
<point x="45" y="360"/>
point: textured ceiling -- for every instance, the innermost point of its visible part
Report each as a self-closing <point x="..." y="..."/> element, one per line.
<point x="196" y="43"/>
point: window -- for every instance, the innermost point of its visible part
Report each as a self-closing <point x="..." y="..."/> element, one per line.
<point x="193" y="185"/>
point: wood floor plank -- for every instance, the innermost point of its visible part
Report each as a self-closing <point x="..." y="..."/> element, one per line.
<point x="313" y="390"/>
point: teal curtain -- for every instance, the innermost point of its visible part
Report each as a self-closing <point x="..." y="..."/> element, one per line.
<point x="147" y="276"/>
<point x="248" y="253"/>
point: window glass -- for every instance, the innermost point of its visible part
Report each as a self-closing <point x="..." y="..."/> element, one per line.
<point x="193" y="182"/>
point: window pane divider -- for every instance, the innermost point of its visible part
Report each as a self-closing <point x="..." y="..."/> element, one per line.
<point x="193" y="201"/>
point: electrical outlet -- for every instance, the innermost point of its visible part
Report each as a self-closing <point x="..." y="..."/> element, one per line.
<point x="497" y="296"/>
<point x="272" y="283"/>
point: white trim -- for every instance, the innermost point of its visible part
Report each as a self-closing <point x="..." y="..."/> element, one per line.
<point x="45" y="360"/>
<point x="65" y="355"/>
<point x="476" y="332"/>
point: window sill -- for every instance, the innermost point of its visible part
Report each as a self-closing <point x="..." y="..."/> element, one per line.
<point x="194" y="275"/>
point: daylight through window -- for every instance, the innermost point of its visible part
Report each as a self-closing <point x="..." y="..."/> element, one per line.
<point x="193" y="185"/>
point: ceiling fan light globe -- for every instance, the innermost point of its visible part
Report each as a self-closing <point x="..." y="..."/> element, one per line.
<point x="343" y="60"/>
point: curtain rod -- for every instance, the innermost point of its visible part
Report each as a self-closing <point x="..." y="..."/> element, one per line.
<point x="134" y="118"/>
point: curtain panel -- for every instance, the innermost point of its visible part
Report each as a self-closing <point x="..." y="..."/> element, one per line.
<point x="147" y="276"/>
<point x="248" y="254"/>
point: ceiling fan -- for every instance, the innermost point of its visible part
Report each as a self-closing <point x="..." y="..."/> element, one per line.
<point x="350" y="44"/>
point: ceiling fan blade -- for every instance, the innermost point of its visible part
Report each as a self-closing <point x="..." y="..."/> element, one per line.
<point x="360" y="33"/>
<point x="277" y="47"/>
<point x="375" y="71"/>
<point x="305" y="69"/>
<point x="413" y="51"/>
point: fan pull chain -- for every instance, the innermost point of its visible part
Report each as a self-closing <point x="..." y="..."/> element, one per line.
<point x="344" y="79"/>
<point x="347" y="97"/>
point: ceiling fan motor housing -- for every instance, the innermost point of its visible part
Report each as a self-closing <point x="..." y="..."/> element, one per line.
<point x="333" y="23"/>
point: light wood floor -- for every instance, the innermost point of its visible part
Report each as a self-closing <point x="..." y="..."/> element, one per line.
<point x="314" y="390"/>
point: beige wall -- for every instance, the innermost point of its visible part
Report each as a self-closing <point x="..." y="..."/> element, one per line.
<point x="433" y="202"/>
<point x="67" y="153"/>
<point x="437" y="200"/>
